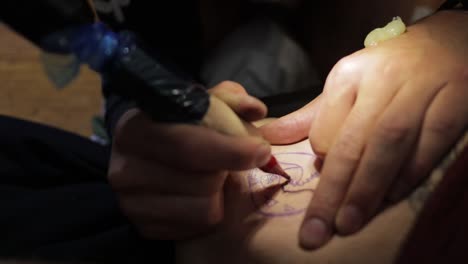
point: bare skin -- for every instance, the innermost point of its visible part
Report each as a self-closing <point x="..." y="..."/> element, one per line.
<point x="258" y="227"/>
<point x="388" y="110"/>
<point x="155" y="166"/>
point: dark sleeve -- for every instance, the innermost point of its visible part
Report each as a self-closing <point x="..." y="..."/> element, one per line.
<point x="22" y="20"/>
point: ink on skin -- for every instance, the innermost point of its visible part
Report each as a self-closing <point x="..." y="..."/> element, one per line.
<point x="277" y="203"/>
<point x="273" y="167"/>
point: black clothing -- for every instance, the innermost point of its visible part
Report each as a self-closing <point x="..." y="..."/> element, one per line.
<point x="56" y="204"/>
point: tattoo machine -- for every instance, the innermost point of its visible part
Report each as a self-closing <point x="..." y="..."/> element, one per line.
<point x="71" y="28"/>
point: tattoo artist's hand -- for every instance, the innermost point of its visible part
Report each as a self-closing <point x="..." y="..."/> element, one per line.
<point x="386" y="117"/>
<point x="169" y="177"/>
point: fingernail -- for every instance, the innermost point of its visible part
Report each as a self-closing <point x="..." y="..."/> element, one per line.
<point x="314" y="233"/>
<point x="263" y="154"/>
<point x="349" y="220"/>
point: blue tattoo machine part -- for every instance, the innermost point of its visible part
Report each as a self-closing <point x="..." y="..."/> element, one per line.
<point x="131" y="70"/>
<point x="66" y="30"/>
<point x="39" y="18"/>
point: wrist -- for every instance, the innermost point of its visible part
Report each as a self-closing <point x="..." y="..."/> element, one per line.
<point x="446" y="28"/>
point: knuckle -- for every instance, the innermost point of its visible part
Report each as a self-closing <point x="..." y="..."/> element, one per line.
<point x="418" y="167"/>
<point x="127" y="205"/>
<point x="230" y="86"/>
<point x="366" y="196"/>
<point x="329" y="199"/>
<point x="212" y="212"/>
<point x="319" y="147"/>
<point x="393" y="132"/>
<point x="118" y="176"/>
<point x="390" y="69"/>
<point x="333" y="196"/>
<point x="464" y="74"/>
<point x="319" y="140"/>
<point x="116" y="180"/>
<point x="344" y="65"/>
<point x="443" y="127"/>
<point x="399" y="189"/>
<point x="406" y="183"/>
<point x="239" y="157"/>
<point x="243" y="160"/>
<point x="130" y="126"/>
<point x="188" y="151"/>
<point x="416" y="173"/>
<point x="211" y="183"/>
<point x="119" y="141"/>
<point x="322" y="207"/>
<point x="349" y="148"/>
<point x="344" y="69"/>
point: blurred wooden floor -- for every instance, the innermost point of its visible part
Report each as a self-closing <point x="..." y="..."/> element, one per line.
<point x="27" y="93"/>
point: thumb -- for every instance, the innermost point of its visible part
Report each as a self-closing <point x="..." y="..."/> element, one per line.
<point x="292" y="127"/>
<point x="236" y="97"/>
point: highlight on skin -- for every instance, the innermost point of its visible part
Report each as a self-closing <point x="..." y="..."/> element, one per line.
<point x="393" y="29"/>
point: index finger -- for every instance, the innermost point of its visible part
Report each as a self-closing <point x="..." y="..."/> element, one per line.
<point x="190" y="147"/>
<point x="338" y="98"/>
<point x="292" y="127"/>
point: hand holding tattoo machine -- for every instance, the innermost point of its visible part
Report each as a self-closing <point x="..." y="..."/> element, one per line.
<point x="71" y="28"/>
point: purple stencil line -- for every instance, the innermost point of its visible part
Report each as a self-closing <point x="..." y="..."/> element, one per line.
<point x="307" y="180"/>
<point x="299" y="153"/>
<point x="289" y="213"/>
<point x="251" y="182"/>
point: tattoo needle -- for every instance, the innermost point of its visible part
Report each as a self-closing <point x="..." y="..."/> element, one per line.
<point x="273" y="167"/>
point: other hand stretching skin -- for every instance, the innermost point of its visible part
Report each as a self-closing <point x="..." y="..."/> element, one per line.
<point x="392" y="110"/>
<point x="262" y="220"/>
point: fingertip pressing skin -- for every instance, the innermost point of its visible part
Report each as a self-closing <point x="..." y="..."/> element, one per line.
<point x="314" y="233"/>
<point x="318" y="225"/>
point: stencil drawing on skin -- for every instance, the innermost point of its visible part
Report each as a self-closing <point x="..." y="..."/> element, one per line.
<point x="262" y="220"/>
<point x="279" y="202"/>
